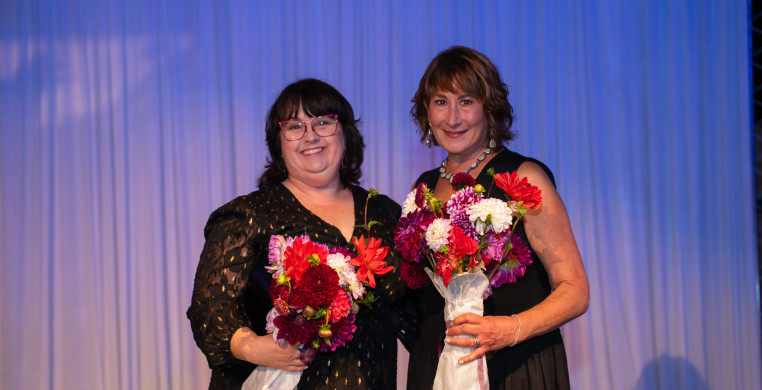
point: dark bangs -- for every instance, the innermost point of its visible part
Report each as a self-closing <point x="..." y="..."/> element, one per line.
<point x="315" y="98"/>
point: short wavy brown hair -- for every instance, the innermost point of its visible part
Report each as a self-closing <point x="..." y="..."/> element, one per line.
<point x="316" y="98"/>
<point x="464" y="69"/>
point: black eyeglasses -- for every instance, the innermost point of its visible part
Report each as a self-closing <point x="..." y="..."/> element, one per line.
<point x="324" y="126"/>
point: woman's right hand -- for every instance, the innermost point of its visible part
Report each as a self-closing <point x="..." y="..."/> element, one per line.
<point x="264" y="351"/>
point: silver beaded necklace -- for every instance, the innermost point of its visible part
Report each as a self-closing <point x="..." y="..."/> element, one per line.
<point x="448" y="176"/>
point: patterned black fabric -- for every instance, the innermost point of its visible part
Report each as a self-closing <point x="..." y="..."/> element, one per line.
<point x="538" y="363"/>
<point x="231" y="290"/>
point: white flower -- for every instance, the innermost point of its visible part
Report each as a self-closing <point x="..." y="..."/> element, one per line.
<point x="408" y="206"/>
<point x="269" y="321"/>
<point x="356" y="287"/>
<point x="342" y="266"/>
<point x="347" y="274"/>
<point x="438" y="234"/>
<point x="498" y="212"/>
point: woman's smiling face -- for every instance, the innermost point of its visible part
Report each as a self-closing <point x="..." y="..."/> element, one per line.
<point x="313" y="159"/>
<point x="458" y="122"/>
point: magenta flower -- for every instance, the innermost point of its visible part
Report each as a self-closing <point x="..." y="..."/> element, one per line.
<point x="487" y="292"/>
<point x="340" y="249"/>
<point x="462" y="180"/>
<point x="413" y="275"/>
<point x="295" y="328"/>
<point x="515" y="264"/>
<point x="457" y="207"/>
<point x="495" y="245"/>
<point x="409" y="232"/>
<point x="420" y="195"/>
<point x="341" y="332"/>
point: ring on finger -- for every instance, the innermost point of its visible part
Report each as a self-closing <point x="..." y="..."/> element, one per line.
<point x="476" y="342"/>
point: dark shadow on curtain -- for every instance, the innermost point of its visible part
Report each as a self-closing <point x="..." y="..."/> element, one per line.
<point x="668" y="372"/>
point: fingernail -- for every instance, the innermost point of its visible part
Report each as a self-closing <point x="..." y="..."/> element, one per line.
<point x="460" y="361"/>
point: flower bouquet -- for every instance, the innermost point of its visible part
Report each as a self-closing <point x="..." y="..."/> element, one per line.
<point x="316" y="291"/>
<point x="470" y="248"/>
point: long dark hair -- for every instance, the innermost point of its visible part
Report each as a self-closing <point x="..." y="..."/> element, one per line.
<point x="316" y="98"/>
<point x="464" y="68"/>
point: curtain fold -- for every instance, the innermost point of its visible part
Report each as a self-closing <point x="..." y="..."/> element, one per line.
<point x="124" y="124"/>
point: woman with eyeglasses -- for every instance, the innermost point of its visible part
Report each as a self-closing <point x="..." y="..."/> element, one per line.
<point x="462" y="105"/>
<point x="309" y="186"/>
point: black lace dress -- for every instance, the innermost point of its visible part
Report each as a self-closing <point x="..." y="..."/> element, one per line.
<point x="231" y="290"/>
<point x="537" y="363"/>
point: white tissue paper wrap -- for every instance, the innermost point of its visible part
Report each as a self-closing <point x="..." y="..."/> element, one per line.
<point x="266" y="378"/>
<point x="462" y="295"/>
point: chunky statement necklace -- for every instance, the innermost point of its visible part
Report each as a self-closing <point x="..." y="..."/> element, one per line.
<point x="448" y="176"/>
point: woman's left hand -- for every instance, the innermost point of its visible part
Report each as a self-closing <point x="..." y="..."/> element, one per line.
<point x="493" y="332"/>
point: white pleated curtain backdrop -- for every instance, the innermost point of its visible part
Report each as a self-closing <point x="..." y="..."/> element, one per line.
<point x="124" y="124"/>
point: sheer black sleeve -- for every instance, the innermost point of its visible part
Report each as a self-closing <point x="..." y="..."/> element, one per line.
<point x="226" y="263"/>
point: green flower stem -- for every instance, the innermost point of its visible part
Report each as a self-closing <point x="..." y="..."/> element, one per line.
<point x="367" y="200"/>
<point x="432" y="262"/>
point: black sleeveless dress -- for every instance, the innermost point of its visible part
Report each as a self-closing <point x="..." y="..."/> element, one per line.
<point x="537" y="363"/>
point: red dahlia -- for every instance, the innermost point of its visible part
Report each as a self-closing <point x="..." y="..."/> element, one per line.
<point x="318" y="287"/>
<point x="296" y="258"/>
<point x="462" y="180"/>
<point x="519" y="189"/>
<point x="413" y="275"/>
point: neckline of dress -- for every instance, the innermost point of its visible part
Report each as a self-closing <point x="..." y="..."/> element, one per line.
<point x="355" y="190"/>
<point x="498" y="151"/>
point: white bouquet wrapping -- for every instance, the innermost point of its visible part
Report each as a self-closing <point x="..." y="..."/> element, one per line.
<point x="266" y="378"/>
<point x="462" y="295"/>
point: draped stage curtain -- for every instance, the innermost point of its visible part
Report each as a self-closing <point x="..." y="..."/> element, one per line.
<point x="123" y="124"/>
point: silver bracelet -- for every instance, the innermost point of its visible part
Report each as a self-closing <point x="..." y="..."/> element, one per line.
<point x="518" y="331"/>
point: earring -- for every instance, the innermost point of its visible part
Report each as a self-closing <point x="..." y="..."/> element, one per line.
<point x="429" y="136"/>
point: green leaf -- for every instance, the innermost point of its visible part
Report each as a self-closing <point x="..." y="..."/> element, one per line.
<point x="368" y="300"/>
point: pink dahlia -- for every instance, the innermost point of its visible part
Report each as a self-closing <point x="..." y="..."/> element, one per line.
<point x="340" y="306"/>
<point x="457" y="207"/>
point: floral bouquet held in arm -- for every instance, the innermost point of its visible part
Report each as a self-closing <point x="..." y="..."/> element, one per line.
<point x="316" y="291"/>
<point x="470" y="248"/>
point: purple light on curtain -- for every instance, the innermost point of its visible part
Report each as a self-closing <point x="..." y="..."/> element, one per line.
<point x="124" y="124"/>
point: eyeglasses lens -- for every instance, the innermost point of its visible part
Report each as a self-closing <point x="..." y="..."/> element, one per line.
<point x="323" y="126"/>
